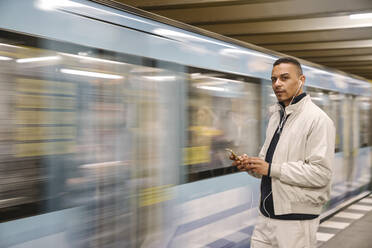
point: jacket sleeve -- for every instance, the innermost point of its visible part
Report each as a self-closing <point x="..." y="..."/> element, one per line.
<point x="316" y="170"/>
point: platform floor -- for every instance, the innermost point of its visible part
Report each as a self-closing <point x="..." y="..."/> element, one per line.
<point x="351" y="227"/>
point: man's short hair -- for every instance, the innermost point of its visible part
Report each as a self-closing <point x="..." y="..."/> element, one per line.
<point x="289" y="60"/>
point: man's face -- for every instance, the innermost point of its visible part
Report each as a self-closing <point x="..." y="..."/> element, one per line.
<point x="285" y="79"/>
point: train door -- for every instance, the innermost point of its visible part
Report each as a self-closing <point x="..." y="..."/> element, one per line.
<point x="333" y="104"/>
<point x="157" y="95"/>
<point x="361" y="174"/>
<point x="348" y="109"/>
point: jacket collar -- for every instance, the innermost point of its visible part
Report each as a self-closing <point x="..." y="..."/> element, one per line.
<point x="293" y="107"/>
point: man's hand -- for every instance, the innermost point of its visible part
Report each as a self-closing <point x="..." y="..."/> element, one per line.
<point x="241" y="162"/>
<point x="254" y="164"/>
<point x="258" y="166"/>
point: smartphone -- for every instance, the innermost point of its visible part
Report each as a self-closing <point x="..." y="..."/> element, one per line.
<point x="232" y="153"/>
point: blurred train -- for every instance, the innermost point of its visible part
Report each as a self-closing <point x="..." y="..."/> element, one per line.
<point x="114" y="124"/>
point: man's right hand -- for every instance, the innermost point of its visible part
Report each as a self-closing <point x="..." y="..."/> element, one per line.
<point x="241" y="162"/>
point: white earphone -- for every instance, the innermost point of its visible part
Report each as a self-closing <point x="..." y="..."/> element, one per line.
<point x="298" y="89"/>
<point x="285" y="113"/>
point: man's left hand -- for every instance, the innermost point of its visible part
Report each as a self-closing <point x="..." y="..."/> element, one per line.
<point x="258" y="166"/>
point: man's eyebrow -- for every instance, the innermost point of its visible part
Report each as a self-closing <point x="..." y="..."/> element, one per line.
<point x="281" y="75"/>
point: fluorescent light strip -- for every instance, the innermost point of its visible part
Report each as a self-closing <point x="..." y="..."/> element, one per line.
<point x="63" y="4"/>
<point x="228" y="51"/>
<point x="92" y="59"/>
<point x="176" y="34"/>
<point x="160" y="78"/>
<point x="361" y="16"/>
<point x="55" y="4"/>
<point x="213" y="83"/>
<point x="37" y="59"/>
<point x="211" y="88"/>
<point x="104" y="164"/>
<point x="209" y="79"/>
<point x="90" y="74"/>
<point x="7" y="45"/>
<point x="5" y="58"/>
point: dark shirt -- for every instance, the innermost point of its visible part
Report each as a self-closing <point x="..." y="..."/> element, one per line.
<point x="266" y="188"/>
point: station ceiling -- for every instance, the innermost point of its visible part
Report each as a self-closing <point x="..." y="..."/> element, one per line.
<point x="326" y="32"/>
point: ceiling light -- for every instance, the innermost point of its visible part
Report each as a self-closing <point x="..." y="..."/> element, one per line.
<point x="161" y="78"/>
<point x="90" y="74"/>
<point x="361" y="16"/>
<point x="7" y="45"/>
<point x="104" y="164"/>
<point x="37" y="59"/>
<point x="210" y="88"/>
<point x="92" y="59"/>
<point x="5" y="58"/>
<point x="228" y="51"/>
<point x="63" y="4"/>
<point x="185" y="36"/>
<point x="55" y="4"/>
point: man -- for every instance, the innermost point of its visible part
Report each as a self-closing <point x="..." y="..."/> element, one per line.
<point x="294" y="164"/>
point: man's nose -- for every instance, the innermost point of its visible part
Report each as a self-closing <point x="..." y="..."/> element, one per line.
<point x="278" y="83"/>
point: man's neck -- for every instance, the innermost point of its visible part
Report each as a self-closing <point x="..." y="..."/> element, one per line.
<point x="295" y="99"/>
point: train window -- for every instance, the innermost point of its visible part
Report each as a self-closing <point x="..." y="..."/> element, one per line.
<point x="223" y="113"/>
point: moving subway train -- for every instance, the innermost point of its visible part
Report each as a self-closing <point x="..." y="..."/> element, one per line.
<point x="114" y="125"/>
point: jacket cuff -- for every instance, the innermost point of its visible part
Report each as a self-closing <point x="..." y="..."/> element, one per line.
<point x="275" y="170"/>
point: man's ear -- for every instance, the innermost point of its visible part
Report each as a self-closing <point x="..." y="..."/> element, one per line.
<point x="302" y="80"/>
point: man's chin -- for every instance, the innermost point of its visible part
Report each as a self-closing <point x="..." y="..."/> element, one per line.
<point x="282" y="99"/>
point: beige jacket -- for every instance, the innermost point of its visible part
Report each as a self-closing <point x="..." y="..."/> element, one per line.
<point x="301" y="169"/>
